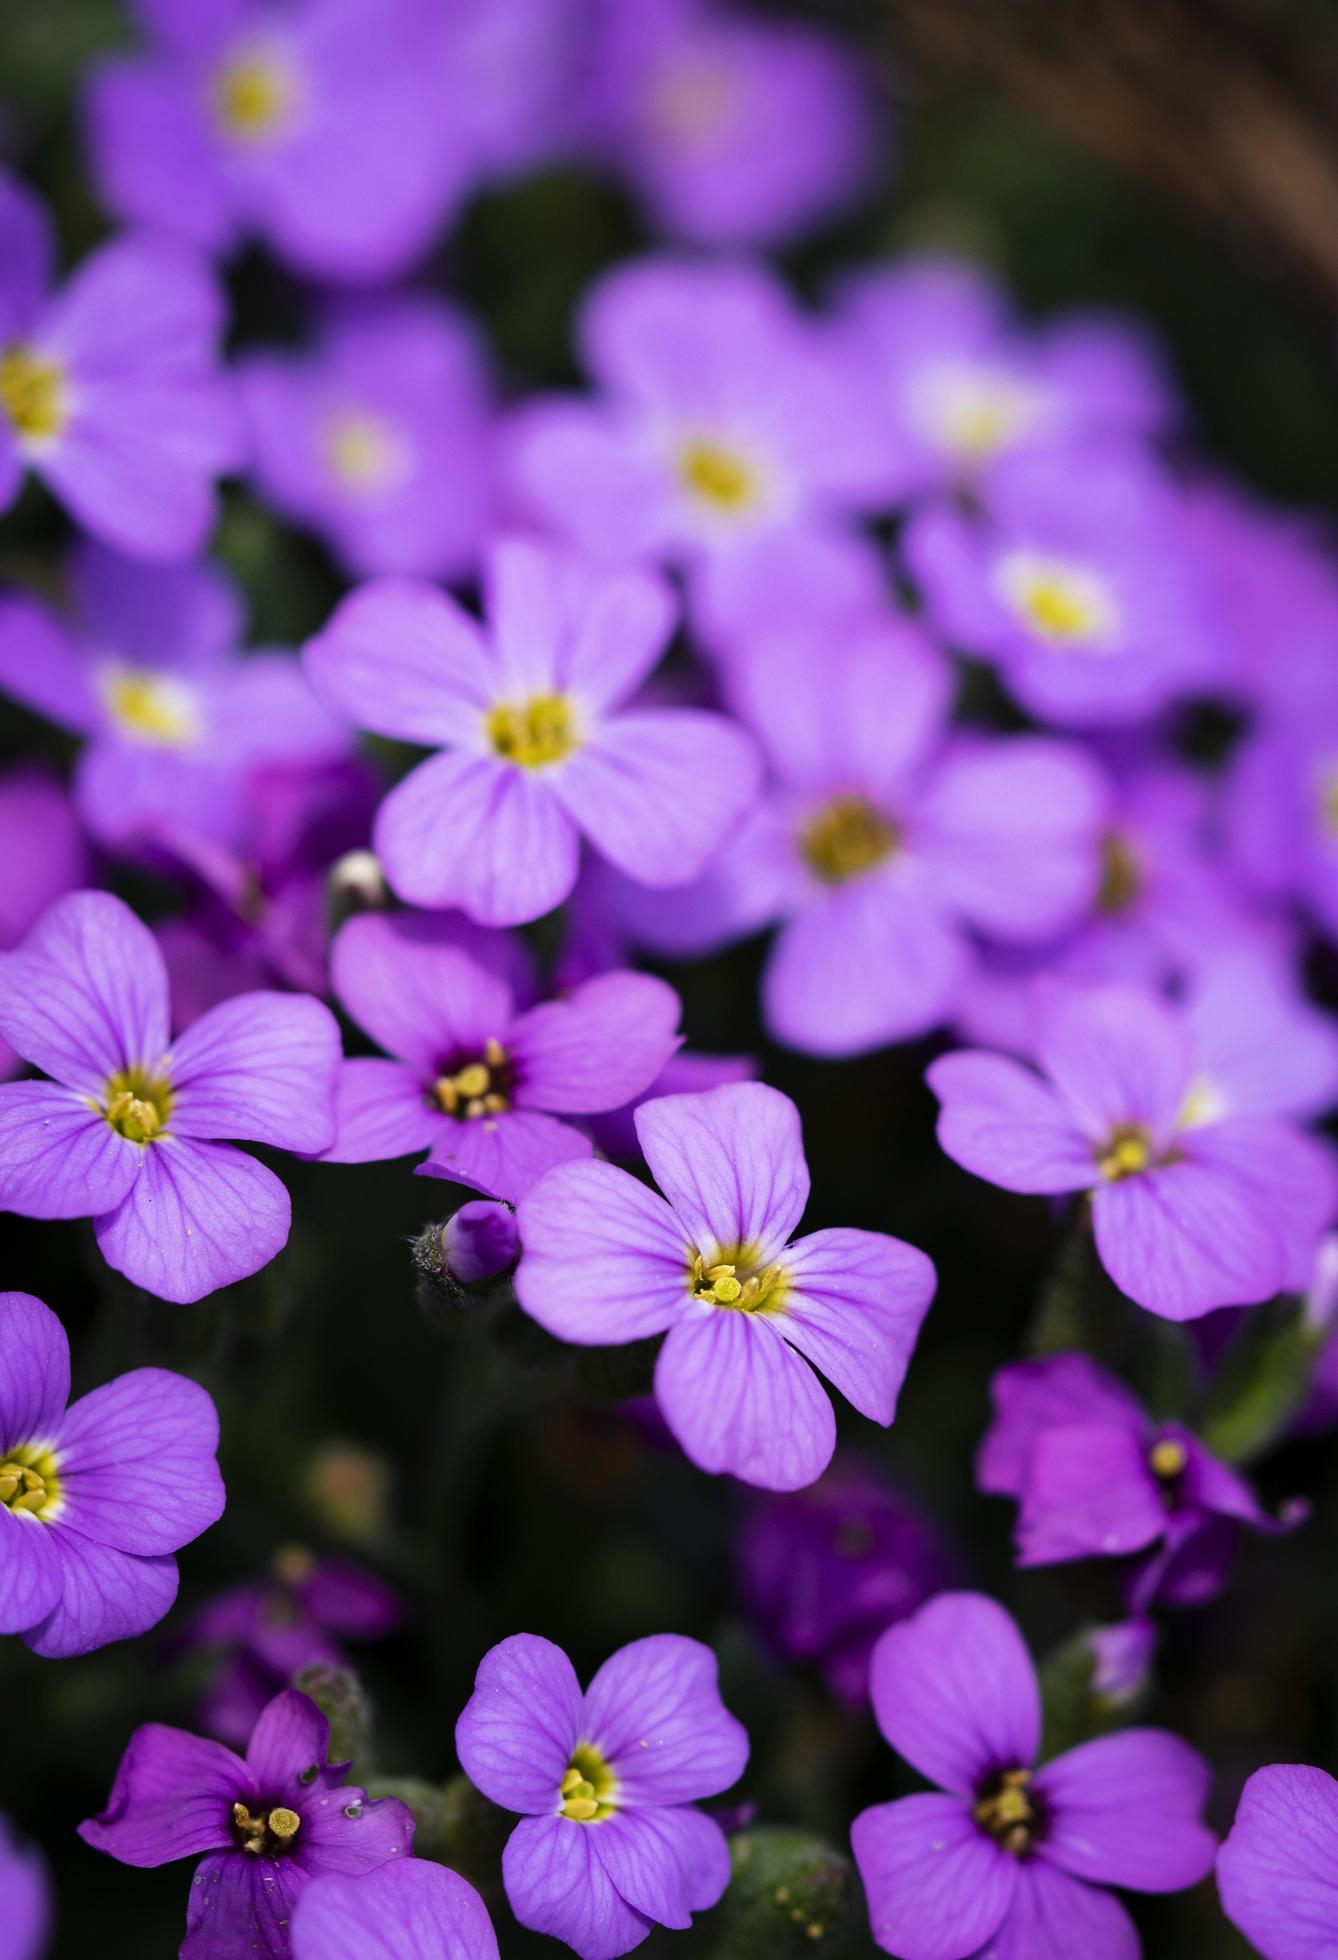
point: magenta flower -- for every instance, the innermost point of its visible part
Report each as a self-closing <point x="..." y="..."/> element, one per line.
<point x="1096" y="1477"/>
<point x="311" y="124"/>
<point x="479" y="1084"/>
<point x="42" y="856"/>
<point x="536" y="747"/>
<point x="110" y="390"/>
<point x="26" y="1910"/>
<point x="124" y="1131"/>
<point x="173" y="719"/>
<point x="409" y="1909"/>
<point x="611" y="1842"/>
<point x="1007" y="1858"/>
<point x="1192" y="1210"/>
<point x="379" y="438"/>
<point x="1276" y="1865"/>
<point x="267" y="1825"/>
<point x="94" y="1498"/>
<point x="1071" y="581"/>
<point x="711" y="1265"/>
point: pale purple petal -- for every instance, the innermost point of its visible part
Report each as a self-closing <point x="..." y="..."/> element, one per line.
<point x="503" y="1155"/>
<point x="853" y="1306"/>
<point x="937" y="1886"/>
<point x="40" y="667"/>
<point x="562" y="626"/>
<point x="1183" y="1239"/>
<point x="1277" y="1871"/>
<point x="1287" y="1176"/>
<point x="955" y="1692"/>
<point x="556" y="1884"/>
<point x="172" y="1797"/>
<point x="1000" y="1121"/>
<point x="137" y="1463"/>
<point x="1125" y="1811"/>
<point x="31" y="1575"/>
<point x="739" y="1401"/>
<point x="1115" y="1055"/>
<point x="654" y="1712"/>
<point x="1088" y="1492"/>
<point x="34" y="1371"/>
<point x="518" y="1730"/>
<point x="1032" y="1396"/>
<point x="666" y="1864"/>
<point x="417" y="990"/>
<point x="105" y="1595"/>
<point x="605" y="1260"/>
<point x="401" y="658"/>
<point x="240" y="1908"/>
<point x="58" y="1157"/>
<point x="260" y="1067"/>
<point x="86" y="992"/>
<point x="27" y="253"/>
<point x="381" y="1110"/>
<point x="731" y="1163"/>
<point x="344" y="1832"/>
<point x="199" y="1216"/>
<point x="1055" y="1917"/>
<point x="408" y="1909"/>
<point x="598" y="1047"/>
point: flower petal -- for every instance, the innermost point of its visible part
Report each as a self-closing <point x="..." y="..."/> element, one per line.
<point x="172" y="1798"/>
<point x="1115" y="1055"/>
<point x="401" y="658"/>
<point x="654" y="1711"/>
<point x="421" y="987"/>
<point x="138" y="1463"/>
<point x="563" y="626"/>
<point x="1054" y="1917"/>
<point x="58" y="1157"/>
<point x="409" y="1909"/>
<point x="260" y="1067"/>
<point x="555" y="1883"/>
<point x="520" y="1725"/>
<point x="503" y="1155"/>
<point x="605" y="1260"/>
<point x="34" y="1371"/>
<point x="1125" y="1811"/>
<point x="291" y="1738"/>
<point x="239" y="1907"/>
<point x="853" y="1307"/>
<point x="666" y="1864"/>
<point x="30" y="1571"/>
<point x="199" y="1216"/>
<point x="955" y="1691"/>
<point x="106" y="1595"/>
<point x="937" y="1886"/>
<point x="381" y="1110"/>
<point x="738" y="1400"/>
<point x="1277" y="1871"/>
<point x="40" y="667"/>
<point x="86" y="992"/>
<point x="1032" y="1396"/>
<point x="1088" y="1493"/>
<point x="345" y="1831"/>
<point x="731" y="1163"/>
<point x="1001" y="1122"/>
<point x="1183" y="1239"/>
<point x="598" y="1047"/>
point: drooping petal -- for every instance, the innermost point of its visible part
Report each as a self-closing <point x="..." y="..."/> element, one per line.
<point x="172" y="1798"/>
<point x="381" y="1110"/>
<point x="655" y="1713"/>
<point x="199" y="1216"/>
<point x="1183" y="1239"/>
<point x="503" y="1155"/>
<point x="937" y="1886"/>
<point x="731" y="1163"/>
<point x="240" y="1908"/>
<point x="137" y="1463"/>
<point x="420" y="993"/>
<point x="955" y="1692"/>
<point x="58" y="1157"/>
<point x="291" y="1738"/>
<point x="853" y="1306"/>
<point x="1032" y="1396"/>
<point x="1088" y="1492"/>
<point x="1277" y="1870"/>
<point x="739" y="1400"/>
<point x="86" y="992"/>
<point x="605" y="1260"/>
<point x="401" y="658"/>
<point x="556" y="1884"/>
<point x="34" y="1371"/>
<point x="106" y="1595"/>
<point x="409" y="1909"/>
<point x="30" y="1571"/>
<point x="259" y="1067"/>
<point x="665" y="1864"/>
<point x="598" y="1047"/>
<point x="1055" y="1917"/>
<point x="519" y="1728"/>
<point x="1125" y="1811"/>
<point x="1115" y="1055"/>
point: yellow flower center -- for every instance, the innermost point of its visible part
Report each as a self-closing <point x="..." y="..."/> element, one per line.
<point x="1127" y="1151"/>
<point x="30" y="1483"/>
<point x="588" y="1787"/>
<point x="1121" y="876"/>
<point x="252" y="95"/>
<point x="1007" y="1812"/>
<point x="151" y="707"/>
<point x="267" y="1832"/>
<point x="845" y="839"/>
<point x="480" y="1088"/>
<point x="735" y="1280"/>
<point x="975" y="414"/>
<point x="717" y="476"/>
<point x="32" y="394"/>
<point x="1167" y="1459"/>
<point x="1067" y="605"/>
<point x="137" y="1105"/>
<point x="363" y="451"/>
<point x="533" y="734"/>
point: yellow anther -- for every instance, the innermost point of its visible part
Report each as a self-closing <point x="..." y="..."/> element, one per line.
<point x="137" y="1105"/>
<point x="1121" y="875"/>
<point x="1128" y="1152"/>
<point x="1167" y="1458"/>
<point x="32" y="394"/>
<point x="29" y="1481"/>
<point x="1006" y="1811"/>
<point x="252" y="96"/>
<point x="478" y="1089"/>
<point x="535" y="733"/>
<point x="587" y="1786"/>
<point x="717" y="476"/>
<point x="493" y="1052"/>
<point x="284" y="1823"/>
<point x="846" y="838"/>
<point x="153" y="708"/>
<point x="472" y="1081"/>
<point x="726" y="1289"/>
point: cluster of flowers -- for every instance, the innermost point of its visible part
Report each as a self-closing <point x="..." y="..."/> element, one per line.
<point x="1117" y="930"/>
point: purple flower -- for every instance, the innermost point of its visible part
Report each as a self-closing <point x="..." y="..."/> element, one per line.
<point x="479" y="1084"/>
<point x="1281" y="812"/>
<point x="1013" y="1860"/>
<point x="479" y="1241"/>
<point x="1192" y="1209"/>
<point x="42" y="856"/>
<point x="827" y="1570"/>
<point x="1096" y="1477"/>
<point x="109" y="388"/>
<point x="684" y="1074"/>
<point x="518" y="76"/>
<point x="611" y="1842"/>
<point x="608" y="1261"/>
<point x="95" y="1498"/>
<point x="734" y="130"/>
<point x="124" y="1131"/>
<point x="25" y="1898"/>
<point x="270" y="1628"/>
<point x="1122" y="1655"/>
<point x="1072" y="582"/>
<point x="1276" y="1865"/>
<point x="267" y="1824"/>
<point x="408" y="1910"/>
<point x="536" y="749"/>
<point x="379" y="438"/>
<point x="312" y="124"/>
<point x="173" y="720"/>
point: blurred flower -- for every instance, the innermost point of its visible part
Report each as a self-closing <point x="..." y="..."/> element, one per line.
<point x="519" y="77"/>
<point x="26" y="1911"/>
<point x="535" y="750"/>
<point x="267" y="1824"/>
<point x="124" y="1132"/>
<point x="411" y="1908"/>
<point x="610" y="1841"/>
<point x="110" y="391"/>
<point x="1275" y="1867"/>
<point x="96" y="1497"/>
<point x="42" y="856"/>
<point x="1011" y="1857"/>
<point x="827" y="1570"/>
<point x="1121" y="1661"/>
<point x="1193" y="1207"/>
<point x="607" y="1261"/>
<point x="1281" y="805"/>
<point x="349" y="1487"/>
<point x="479" y="1241"/>
<point x="685" y="1074"/>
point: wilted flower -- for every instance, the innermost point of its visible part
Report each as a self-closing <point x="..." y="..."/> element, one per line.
<point x="410" y="1908"/>
<point x="1275" y="1868"/>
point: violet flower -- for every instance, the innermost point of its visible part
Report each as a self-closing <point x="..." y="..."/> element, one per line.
<point x="1281" y="806"/>
<point x="1007" y="1858"/>
<point x="110" y="390"/>
<point x="1275" y="1870"/>
<point x="479" y="1241"/>
<point x="26" y="1907"/>
<point x="536" y="748"/>
<point x="125" y="1130"/>
<point x="1192" y="1209"/>
<point x="266" y="1825"/>
<point x="611" y="1843"/>
<point x="94" y="1498"/>
<point x="606" y="1261"/>
<point x="409" y="1909"/>
<point x="42" y="856"/>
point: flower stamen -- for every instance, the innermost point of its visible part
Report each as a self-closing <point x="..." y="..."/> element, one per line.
<point x="480" y="1088"/>
<point x="32" y="394"/>
<point x="533" y="734"/>
<point x="587" y="1788"/>
<point x="846" y="838"/>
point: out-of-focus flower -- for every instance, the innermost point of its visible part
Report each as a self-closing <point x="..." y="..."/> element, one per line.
<point x="1275" y="1867"/>
<point x="267" y="1825"/>
<point x="1281" y="806"/>
<point x="42" y="856"/>
<point x="827" y="1570"/>
<point x="1193" y="1208"/>
<point x="94" y="1498"/>
<point x="1095" y="1477"/>
<point x="734" y="130"/>
<point x="124" y="1132"/>
<point x="349" y="1489"/>
<point x="410" y="1908"/>
<point x="610" y="1841"/>
<point x="1122" y="1655"/>
<point x="1069" y="579"/>
<point x="110" y="389"/>
<point x="607" y="1261"/>
<point x="480" y="1085"/>
<point x="536" y="748"/>
<point x="173" y="720"/>
<point x="379" y="439"/>
<point x="26" y="1909"/>
<point x="687" y="1073"/>
<point x="1012" y="1858"/>
<point x="519" y="76"/>
<point x="313" y="125"/>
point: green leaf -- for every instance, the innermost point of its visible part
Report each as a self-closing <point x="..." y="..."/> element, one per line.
<point x="1261" y="1383"/>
